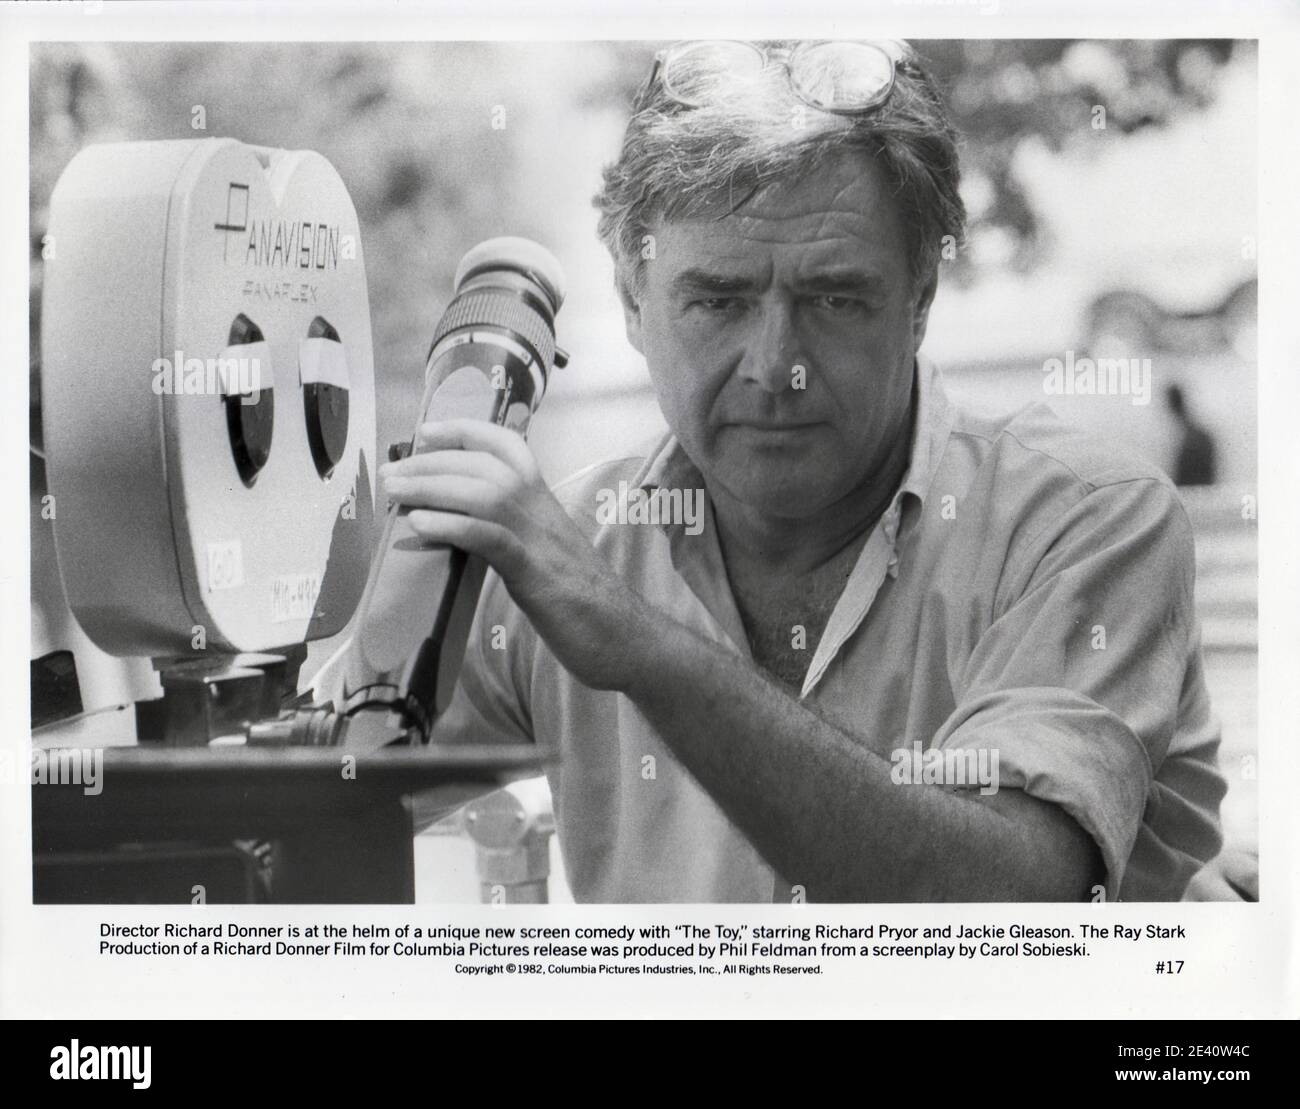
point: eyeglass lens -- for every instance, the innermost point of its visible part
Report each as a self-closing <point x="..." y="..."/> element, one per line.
<point x="829" y="75"/>
<point x="842" y="74"/>
<point x="701" y="72"/>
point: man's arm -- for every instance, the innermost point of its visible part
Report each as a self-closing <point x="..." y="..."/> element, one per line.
<point x="822" y="808"/>
<point x="817" y="803"/>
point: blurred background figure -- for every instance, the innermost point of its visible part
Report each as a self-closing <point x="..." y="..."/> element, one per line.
<point x="1195" y="459"/>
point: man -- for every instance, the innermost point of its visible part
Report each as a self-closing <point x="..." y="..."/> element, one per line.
<point x="1195" y="460"/>
<point x="798" y="695"/>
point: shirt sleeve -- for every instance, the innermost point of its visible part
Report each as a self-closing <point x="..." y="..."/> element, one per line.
<point x="1076" y="685"/>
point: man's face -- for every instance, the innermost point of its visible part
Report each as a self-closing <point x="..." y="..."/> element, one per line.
<point x="780" y="338"/>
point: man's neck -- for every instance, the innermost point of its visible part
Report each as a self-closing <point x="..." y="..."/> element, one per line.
<point x="799" y="546"/>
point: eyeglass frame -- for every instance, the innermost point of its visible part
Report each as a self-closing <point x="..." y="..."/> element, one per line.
<point x="894" y="50"/>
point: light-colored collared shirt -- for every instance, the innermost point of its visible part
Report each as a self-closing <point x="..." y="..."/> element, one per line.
<point x="1028" y="592"/>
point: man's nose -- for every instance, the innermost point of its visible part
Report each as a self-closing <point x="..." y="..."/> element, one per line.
<point x="772" y="348"/>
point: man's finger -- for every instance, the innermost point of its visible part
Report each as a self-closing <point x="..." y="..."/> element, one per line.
<point x="477" y="435"/>
<point x="447" y="493"/>
<point x="480" y="537"/>
<point x="462" y="463"/>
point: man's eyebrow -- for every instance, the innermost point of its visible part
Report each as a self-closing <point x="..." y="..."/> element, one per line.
<point x="843" y="281"/>
<point x="847" y="280"/>
<point x="697" y="280"/>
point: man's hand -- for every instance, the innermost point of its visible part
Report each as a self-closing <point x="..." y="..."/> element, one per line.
<point x="477" y="486"/>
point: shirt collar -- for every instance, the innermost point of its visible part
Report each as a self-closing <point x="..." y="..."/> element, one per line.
<point x="929" y="440"/>
<point x="667" y="465"/>
<point x="930" y="432"/>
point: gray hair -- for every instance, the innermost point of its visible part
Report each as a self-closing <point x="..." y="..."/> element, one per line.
<point x="679" y="161"/>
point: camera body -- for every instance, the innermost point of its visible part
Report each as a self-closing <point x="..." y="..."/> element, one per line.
<point x="208" y="405"/>
<point x="208" y="419"/>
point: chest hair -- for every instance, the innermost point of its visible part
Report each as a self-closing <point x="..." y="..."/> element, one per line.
<point x="784" y="615"/>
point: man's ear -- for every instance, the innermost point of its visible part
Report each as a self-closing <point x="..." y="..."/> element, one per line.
<point x="921" y="313"/>
<point x="631" y="313"/>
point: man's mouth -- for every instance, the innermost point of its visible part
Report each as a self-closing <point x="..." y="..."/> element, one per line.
<point x="776" y="426"/>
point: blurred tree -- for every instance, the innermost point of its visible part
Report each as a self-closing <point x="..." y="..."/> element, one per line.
<point x="1002" y="94"/>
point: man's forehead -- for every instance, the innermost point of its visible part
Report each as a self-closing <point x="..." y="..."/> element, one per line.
<point x="800" y="247"/>
<point x="835" y="212"/>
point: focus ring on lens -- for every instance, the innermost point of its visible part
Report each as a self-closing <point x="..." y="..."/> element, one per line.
<point x="489" y="308"/>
